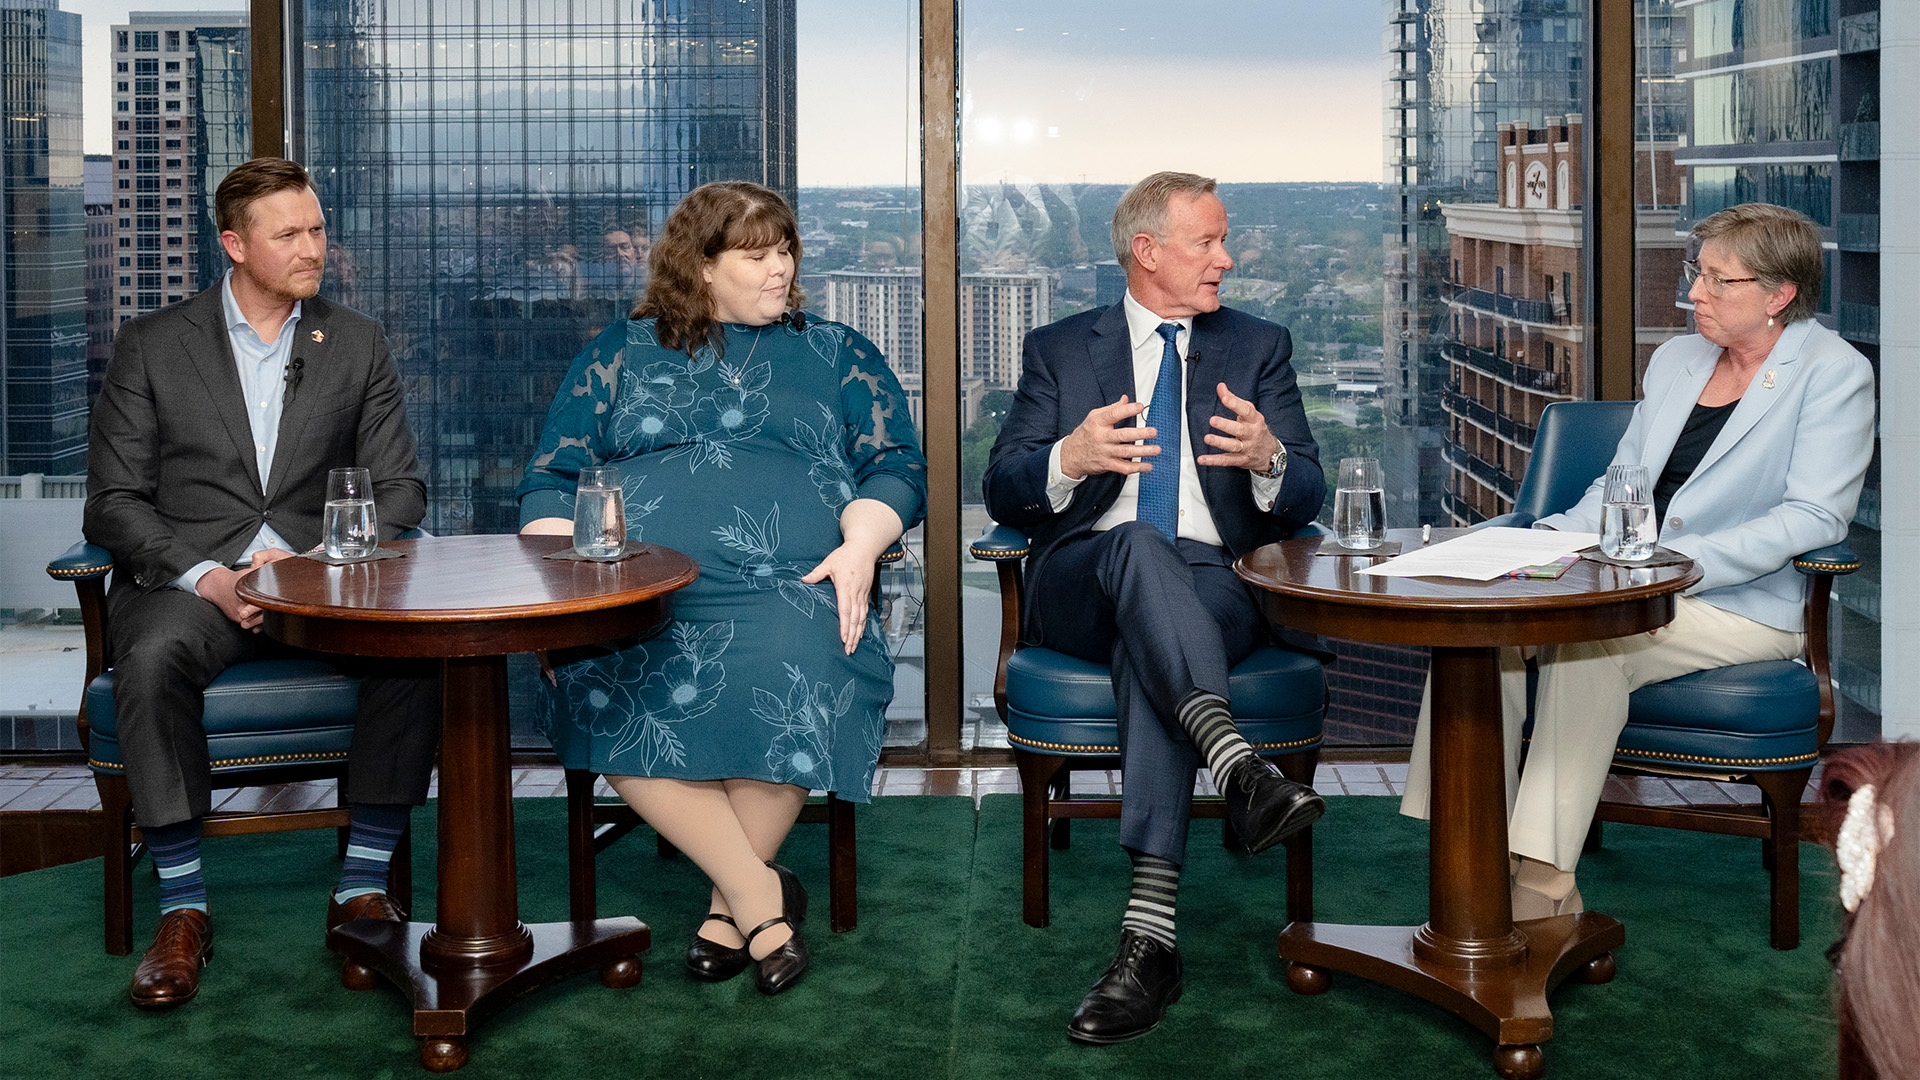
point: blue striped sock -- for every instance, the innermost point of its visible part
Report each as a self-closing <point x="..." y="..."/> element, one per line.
<point x="371" y="836"/>
<point x="176" y="855"/>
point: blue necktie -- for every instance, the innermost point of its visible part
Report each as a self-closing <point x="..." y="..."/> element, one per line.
<point x="1160" y="489"/>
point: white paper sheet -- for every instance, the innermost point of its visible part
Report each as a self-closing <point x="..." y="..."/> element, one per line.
<point x="1485" y="554"/>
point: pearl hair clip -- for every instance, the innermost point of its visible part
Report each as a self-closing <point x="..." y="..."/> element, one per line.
<point x="1865" y="829"/>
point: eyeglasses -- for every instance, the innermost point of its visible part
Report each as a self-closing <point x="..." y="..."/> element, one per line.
<point x="1716" y="285"/>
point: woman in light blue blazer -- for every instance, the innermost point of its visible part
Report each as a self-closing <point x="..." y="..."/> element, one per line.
<point x="1758" y="429"/>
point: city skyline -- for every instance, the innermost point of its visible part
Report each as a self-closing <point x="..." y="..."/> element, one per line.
<point x="1027" y="77"/>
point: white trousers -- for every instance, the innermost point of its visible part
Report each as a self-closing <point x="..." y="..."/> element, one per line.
<point x="1580" y="707"/>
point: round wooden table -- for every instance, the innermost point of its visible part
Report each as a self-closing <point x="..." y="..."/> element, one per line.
<point x="470" y="601"/>
<point x="1469" y="957"/>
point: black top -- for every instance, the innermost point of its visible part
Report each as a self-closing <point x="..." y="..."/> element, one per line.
<point x="1703" y="426"/>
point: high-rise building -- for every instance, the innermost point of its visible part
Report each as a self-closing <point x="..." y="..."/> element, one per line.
<point x="1514" y="342"/>
<point x="885" y="305"/>
<point x="220" y="134"/>
<point x="43" y="243"/>
<point x="160" y="192"/>
<point x="997" y="309"/>
<point x="101" y="263"/>
<point x="478" y="176"/>
<point x="1456" y="70"/>
<point x="1786" y="110"/>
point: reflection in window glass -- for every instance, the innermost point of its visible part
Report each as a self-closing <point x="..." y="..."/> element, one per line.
<point x="1064" y="106"/>
<point x="1778" y="117"/>
<point x="494" y="173"/>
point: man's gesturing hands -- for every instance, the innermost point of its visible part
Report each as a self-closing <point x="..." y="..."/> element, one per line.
<point x="1103" y="443"/>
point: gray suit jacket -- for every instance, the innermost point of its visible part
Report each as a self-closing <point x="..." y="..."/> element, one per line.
<point x="1782" y="478"/>
<point x="171" y="477"/>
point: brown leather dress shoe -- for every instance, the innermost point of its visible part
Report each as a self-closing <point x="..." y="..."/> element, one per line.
<point x="169" y="971"/>
<point x="374" y="905"/>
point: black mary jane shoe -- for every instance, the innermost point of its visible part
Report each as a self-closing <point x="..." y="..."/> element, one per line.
<point x="793" y="895"/>
<point x="784" y="966"/>
<point x="710" y="961"/>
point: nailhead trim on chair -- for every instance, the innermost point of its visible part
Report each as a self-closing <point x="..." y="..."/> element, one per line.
<point x="1793" y="760"/>
<point x="69" y="573"/>
<point x="996" y="555"/>
<point x="1825" y="567"/>
<point x="229" y="763"/>
<point x="1074" y="748"/>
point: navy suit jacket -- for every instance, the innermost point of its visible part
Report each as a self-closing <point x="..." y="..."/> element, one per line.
<point x="1085" y="362"/>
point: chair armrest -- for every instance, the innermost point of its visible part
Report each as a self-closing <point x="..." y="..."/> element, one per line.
<point x="1515" y="520"/>
<point x="81" y="562"/>
<point x="1311" y="528"/>
<point x="1833" y="559"/>
<point x="413" y="534"/>
<point x="1001" y="543"/>
<point x="894" y="553"/>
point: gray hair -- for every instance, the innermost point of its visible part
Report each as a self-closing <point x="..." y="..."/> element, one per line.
<point x="1143" y="209"/>
<point x="1779" y="245"/>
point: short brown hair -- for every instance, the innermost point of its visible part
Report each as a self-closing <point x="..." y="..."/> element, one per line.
<point x="1143" y="209"/>
<point x="250" y="182"/>
<point x="713" y="218"/>
<point x="1779" y="245"/>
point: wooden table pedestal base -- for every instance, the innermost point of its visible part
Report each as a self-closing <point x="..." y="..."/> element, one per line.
<point x="449" y="1002"/>
<point x="1507" y="1000"/>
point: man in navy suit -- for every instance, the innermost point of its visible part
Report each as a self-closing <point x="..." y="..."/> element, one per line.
<point x="1133" y="547"/>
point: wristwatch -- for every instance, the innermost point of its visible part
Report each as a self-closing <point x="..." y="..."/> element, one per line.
<point x="1276" y="465"/>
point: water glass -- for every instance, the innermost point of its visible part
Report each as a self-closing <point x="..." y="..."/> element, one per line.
<point x="349" y="529"/>
<point x="599" y="514"/>
<point x="1360" y="505"/>
<point x="1627" y="528"/>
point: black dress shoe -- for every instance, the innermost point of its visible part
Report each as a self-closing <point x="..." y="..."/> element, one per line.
<point x="793" y="895"/>
<point x="710" y="961"/>
<point x="1132" y="996"/>
<point x="784" y="966"/>
<point x="1266" y="807"/>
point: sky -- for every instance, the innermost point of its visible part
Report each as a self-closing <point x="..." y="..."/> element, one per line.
<point x="1100" y="91"/>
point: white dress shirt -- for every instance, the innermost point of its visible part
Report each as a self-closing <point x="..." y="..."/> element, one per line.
<point x="261" y="366"/>
<point x="1196" y="520"/>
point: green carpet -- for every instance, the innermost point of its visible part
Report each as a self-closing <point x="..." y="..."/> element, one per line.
<point x="941" y="979"/>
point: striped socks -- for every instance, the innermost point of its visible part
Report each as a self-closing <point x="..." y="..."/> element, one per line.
<point x="176" y="856"/>
<point x="1156" y="886"/>
<point x="1208" y="722"/>
<point x="375" y="830"/>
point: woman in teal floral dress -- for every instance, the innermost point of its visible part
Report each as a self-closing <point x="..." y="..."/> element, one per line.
<point x="777" y="451"/>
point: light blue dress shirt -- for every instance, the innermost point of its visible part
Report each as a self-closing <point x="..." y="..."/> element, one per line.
<point x="262" y="367"/>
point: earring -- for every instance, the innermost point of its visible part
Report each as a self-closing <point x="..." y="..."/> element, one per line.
<point x="1769" y="322"/>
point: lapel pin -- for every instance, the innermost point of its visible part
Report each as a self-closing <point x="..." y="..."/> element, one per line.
<point x="1765" y="383"/>
<point x="319" y="337"/>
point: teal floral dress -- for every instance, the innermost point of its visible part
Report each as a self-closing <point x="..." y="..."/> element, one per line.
<point x="742" y="460"/>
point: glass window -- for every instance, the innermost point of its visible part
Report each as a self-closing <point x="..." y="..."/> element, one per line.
<point x="1780" y="115"/>
<point x="492" y="198"/>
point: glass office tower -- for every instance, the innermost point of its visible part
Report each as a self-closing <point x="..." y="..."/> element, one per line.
<point x="492" y="173"/>
<point x="43" y="243"/>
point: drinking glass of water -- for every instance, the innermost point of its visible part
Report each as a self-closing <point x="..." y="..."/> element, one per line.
<point x="1627" y="528"/>
<point x="349" y="529"/>
<point x="599" y="514"/>
<point x="1360" y="504"/>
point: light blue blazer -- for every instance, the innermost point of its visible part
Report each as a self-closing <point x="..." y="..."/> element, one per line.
<point x="1782" y="478"/>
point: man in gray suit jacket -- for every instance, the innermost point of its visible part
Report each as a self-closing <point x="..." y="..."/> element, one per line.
<point x="1135" y="529"/>
<point x="210" y="447"/>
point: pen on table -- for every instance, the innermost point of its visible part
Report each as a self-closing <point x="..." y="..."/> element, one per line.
<point x="1426" y="533"/>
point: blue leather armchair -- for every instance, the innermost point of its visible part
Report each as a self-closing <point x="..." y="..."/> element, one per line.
<point x="592" y="826"/>
<point x="1061" y="716"/>
<point x="1762" y="724"/>
<point x="267" y="721"/>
